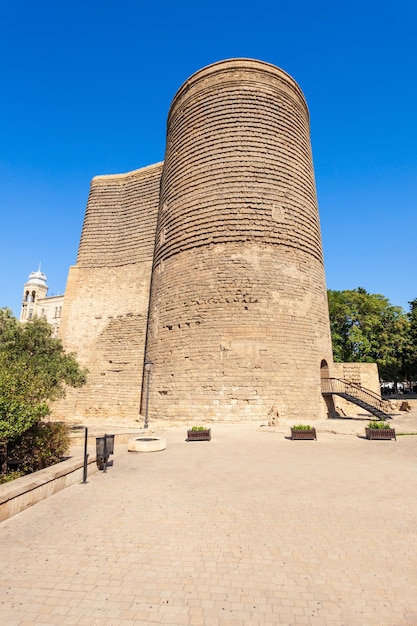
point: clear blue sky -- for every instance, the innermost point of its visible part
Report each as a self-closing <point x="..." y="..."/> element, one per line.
<point x="86" y="86"/>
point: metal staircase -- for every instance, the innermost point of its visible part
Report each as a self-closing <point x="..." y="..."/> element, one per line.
<point x="365" y="398"/>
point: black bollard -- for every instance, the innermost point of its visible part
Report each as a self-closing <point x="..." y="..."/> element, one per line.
<point x="85" y="456"/>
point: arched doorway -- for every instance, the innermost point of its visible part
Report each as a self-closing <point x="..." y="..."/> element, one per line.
<point x="326" y="388"/>
<point x="324" y="373"/>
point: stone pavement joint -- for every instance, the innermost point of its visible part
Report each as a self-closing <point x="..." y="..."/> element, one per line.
<point x="248" y="529"/>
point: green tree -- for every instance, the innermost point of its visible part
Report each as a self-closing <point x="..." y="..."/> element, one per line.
<point x="367" y="328"/>
<point x="34" y="370"/>
<point x="411" y="351"/>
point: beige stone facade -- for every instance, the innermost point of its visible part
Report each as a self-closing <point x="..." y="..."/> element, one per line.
<point x="107" y="294"/>
<point x="363" y="374"/>
<point x="209" y="264"/>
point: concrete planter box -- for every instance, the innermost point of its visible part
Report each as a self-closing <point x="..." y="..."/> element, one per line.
<point x="303" y="434"/>
<point x="380" y="433"/>
<point x="199" y="435"/>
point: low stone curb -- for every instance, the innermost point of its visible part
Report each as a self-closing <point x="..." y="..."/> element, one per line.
<point x="23" y="492"/>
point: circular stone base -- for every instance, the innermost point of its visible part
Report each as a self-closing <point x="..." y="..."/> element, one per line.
<point x="146" y="444"/>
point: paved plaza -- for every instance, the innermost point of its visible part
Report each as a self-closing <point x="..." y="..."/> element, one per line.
<point x="248" y="529"/>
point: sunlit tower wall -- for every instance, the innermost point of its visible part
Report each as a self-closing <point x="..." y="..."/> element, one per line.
<point x="238" y="319"/>
<point x="107" y="295"/>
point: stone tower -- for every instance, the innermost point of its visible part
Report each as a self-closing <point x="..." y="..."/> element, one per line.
<point x="209" y="264"/>
<point x="107" y="294"/>
<point x="238" y="319"/>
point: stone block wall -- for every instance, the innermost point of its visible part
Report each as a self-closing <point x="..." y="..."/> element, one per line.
<point x="209" y="264"/>
<point x="106" y="301"/>
<point x="364" y="374"/>
<point x="234" y="339"/>
<point x="238" y="316"/>
<point x="120" y="220"/>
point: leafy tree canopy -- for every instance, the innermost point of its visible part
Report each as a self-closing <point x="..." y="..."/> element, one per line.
<point x="410" y="364"/>
<point x="367" y="328"/>
<point x="34" y="370"/>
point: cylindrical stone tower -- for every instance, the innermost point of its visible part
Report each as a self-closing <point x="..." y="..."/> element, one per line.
<point x="238" y="320"/>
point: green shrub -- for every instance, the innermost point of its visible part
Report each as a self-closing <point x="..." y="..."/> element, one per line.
<point x="377" y="425"/>
<point x="42" y="445"/>
<point x="7" y="478"/>
<point x="34" y="370"/>
<point x="302" y="427"/>
<point x="198" y="429"/>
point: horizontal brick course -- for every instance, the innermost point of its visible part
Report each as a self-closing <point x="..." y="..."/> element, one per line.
<point x="238" y="317"/>
<point x="228" y="229"/>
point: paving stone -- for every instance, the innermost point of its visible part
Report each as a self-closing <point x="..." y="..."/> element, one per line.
<point x="249" y="529"/>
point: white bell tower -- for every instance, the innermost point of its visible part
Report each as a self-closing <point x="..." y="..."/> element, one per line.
<point x="34" y="290"/>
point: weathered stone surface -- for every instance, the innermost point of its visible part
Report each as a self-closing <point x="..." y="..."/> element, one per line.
<point x="363" y="374"/>
<point x="227" y="232"/>
<point x="21" y="493"/>
<point x="107" y="294"/>
<point x="238" y="316"/>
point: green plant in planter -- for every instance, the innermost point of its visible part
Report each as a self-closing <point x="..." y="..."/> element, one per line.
<point x="303" y="431"/>
<point x="379" y="430"/>
<point x="199" y="433"/>
<point x="377" y="425"/>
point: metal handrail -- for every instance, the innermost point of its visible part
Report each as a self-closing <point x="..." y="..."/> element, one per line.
<point x="339" y="385"/>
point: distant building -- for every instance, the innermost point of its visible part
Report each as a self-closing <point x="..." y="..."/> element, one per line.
<point x="36" y="303"/>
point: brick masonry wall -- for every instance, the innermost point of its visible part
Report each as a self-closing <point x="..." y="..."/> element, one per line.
<point x="119" y="224"/>
<point x="235" y="339"/>
<point x="363" y="374"/>
<point x="238" y="319"/>
<point x="107" y="295"/>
